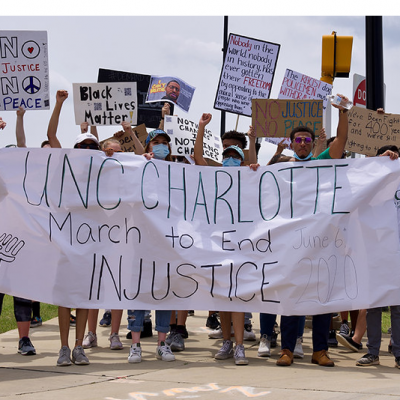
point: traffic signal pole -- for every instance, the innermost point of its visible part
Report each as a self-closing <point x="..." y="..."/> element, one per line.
<point x="374" y="63"/>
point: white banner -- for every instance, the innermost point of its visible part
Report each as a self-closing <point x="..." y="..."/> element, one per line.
<point x="105" y="103"/>
<point x="82" y="230"/>
<point x="183" y="133"/>
<point x="24" y="74"/>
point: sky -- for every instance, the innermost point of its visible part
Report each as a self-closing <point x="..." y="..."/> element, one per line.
<point x="188" y="44"/>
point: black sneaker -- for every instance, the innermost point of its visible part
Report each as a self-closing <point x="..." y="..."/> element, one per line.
<point x="332" y="341"/>
<point x="106" y="320"/>
<point x="368" y="359"/>
<point x="25" y="347"/>
<point x="147" y="329"/>
<point x="129" y="335"/>
<point x="274" y="337"/>
<point x="72" y="320"/>
<point x="212" y="321"/>
<point x="397" y="362"/>
<point x="348" y="342"/>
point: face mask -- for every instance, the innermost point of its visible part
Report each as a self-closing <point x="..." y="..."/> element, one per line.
<point x="231" y="162"/>
<point x="160" y="151"/>
<point x="302" y="159"/>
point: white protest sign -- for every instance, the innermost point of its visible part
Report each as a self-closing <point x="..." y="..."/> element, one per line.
<point x="248" y="72"/>
<point x="105" y="103"/>
<point x="24" y="76"/>
<point x="183" y="133"/>
<point x="122" y="232"/>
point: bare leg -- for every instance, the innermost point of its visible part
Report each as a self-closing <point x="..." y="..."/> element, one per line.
<point x="238" y="324"/>
<point x="23" y="328"/>
<point x="63" y="324"/>
<point x="361" y="326"/>
<point x="81" y="318"/>
<point x="116" y="316"/>
<point x="226" y="318"/>
<point x="93" y="316"/>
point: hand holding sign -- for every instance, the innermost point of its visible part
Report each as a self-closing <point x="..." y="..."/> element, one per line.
<point x="2" y="124"/>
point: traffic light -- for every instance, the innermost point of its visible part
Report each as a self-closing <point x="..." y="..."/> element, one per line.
<point x="336" y="57"/>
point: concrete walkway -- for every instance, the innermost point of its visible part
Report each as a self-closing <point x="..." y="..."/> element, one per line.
<point x="195" y="374"/>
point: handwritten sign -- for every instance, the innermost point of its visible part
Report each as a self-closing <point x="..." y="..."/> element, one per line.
<point x="247" y="73"/>
<point x="277" y="118"/>
<point x="105" y="103"/>
<point x="127" y="233"/>
<point x="171" y="89"/>
<point x="126" y="139"/>
<point x="368" y="131"/>
<point x="183" y="133"/>
<point x="24" y="74"/>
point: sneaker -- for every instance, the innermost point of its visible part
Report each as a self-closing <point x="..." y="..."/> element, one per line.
<point x="135" y="354"/>
<point x="240" y="357"/>
<point x="106" y="320"/>
<point x="397" y="362"/>
<point x="390" y="347"/>
<point x="368" y="359"/>
<point x="226" y="351"/>
<point x="212" y="321"/>
<point x="25" y="347"/>
<point x="332" y="341"/>
<point x="298" y="349"/>
<point x="249" y="335"/>
<point x="217" y="333"/>
<point x="79" y="356"/>
<point x="164" y="353"/>
<point x="90" y="340"/>
<point x="177" y="343"/>
<point x="64" y="357"/>
<point x="344" y="329"/>
<point x="72" y="320"/>
<point x="348" y="342"/>
<point x="36" y="321"/>
<point x="190" y="313"/>
<point x="264" y="349"/>
<point x="115" y="343"/>
<point x="129" y="335"/>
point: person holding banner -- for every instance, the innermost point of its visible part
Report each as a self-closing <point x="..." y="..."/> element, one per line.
<point x="172" y="91"/>
<point x="302" y="141"/>
<point x="157" y="146"/>
<point x="233" y="156"/>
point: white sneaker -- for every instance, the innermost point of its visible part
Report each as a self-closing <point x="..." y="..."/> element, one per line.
<point x="249" y="335"/>
<point x="164" y="353"/>
<point x="115" y="342"/>
<point x="135" y="354"/>
<point x="90" y="340"/>
<point x="240" y="357"/>
<point x="217" y="333"/>
<point x="298" y="350"/>
<point x="226" y="351"/>
<point x="264" y="349"/>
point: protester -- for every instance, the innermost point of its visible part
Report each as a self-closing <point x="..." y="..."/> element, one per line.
<point x="157" y="147"/>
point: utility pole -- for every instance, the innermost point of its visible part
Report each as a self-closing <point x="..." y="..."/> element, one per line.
<point x="224" y="48"/>
<point x="374" y="63"/>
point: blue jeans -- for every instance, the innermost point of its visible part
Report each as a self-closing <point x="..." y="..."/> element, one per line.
<point x="136" y="318"/>
<point x="320" y="333"/>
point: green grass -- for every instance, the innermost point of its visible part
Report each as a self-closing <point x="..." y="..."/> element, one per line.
<point x="7" y="319"/>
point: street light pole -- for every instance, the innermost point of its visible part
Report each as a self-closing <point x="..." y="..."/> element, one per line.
<point x="224" y="48"/>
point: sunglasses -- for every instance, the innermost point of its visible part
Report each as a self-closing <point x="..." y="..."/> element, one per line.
<point x="91" y="146"/>
<point x="307" y="140"/>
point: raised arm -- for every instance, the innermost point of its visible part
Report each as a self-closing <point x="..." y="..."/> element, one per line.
<point x="61" y="96"/>
<point x="336" y="149"/>
<point x="252" y="145"/>
<point x="166" y="110"/>
<point x="198" y="145"/>
<point x="19" y="128"/>
<point x="139" y="149"/>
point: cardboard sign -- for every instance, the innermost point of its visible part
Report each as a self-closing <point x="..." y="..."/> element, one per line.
<point x="369" y="131"/>
<point x="24" y="73"/>
<point x="105" y="103"/>
<point x="126" y="140"/>
<point x="148" y="113"/>
<point x="248" y="72"/>
<point x="171" y="89"/>
<point x="183" y="133"/>
<point x="277" y="118"/>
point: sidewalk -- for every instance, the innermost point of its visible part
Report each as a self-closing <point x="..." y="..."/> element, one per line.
<point x="194" y="374"/>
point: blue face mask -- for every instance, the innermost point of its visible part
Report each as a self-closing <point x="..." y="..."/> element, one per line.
<point x="160" y="151"/>
<point x="231" y="162"/>
<point x="303" y="159"/>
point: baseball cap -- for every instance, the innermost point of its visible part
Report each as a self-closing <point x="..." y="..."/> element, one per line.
<point x="155" y="133"/>
<point x="83" y="136"/>
<point x="237" y="149"/>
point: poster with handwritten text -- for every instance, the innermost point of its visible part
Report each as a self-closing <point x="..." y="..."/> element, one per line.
<point x="247" y="73"/>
